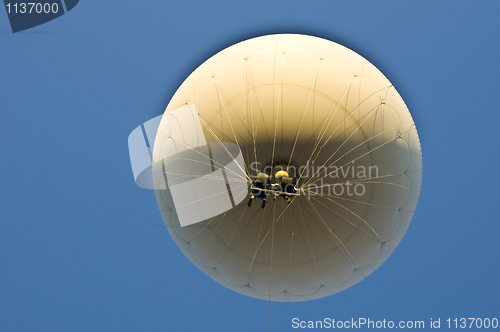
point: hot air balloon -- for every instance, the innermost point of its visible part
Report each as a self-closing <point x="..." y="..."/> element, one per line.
<point x="312" y="131"/>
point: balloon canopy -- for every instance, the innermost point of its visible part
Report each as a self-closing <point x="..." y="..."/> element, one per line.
<point x="313" y="132"/>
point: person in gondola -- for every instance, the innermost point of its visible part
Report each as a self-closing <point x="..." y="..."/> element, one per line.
<point x="284" y="185"/>
<point x="260" y="189"/>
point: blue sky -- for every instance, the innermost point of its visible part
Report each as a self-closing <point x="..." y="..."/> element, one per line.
<point x="82" y="247"/>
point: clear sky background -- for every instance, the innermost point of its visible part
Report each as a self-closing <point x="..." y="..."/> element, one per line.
<point x="82" y="248"/>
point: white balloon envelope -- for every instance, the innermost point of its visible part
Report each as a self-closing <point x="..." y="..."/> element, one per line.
<point x="316" y="110"/>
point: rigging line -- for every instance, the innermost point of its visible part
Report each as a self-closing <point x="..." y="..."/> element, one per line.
<point x="357" y="107"/>
<point x="248" y="118"/>
<point x="232" y="234"/>
<point x="283" y="251"/>
<point x="195" y="161"/>
<point x="213" y="234"/>
<point x="336" y="241"/>
<point x="267" y="234"/>
<point x="270" y="275"/>
<point x="343" y="121"/>
<point x="281" y="98"/>
<point x="348" y="152"/>
<point x="224" y="191"/>
<point x="290" y="251"/>
<point x="195" y="149"/>
<point x="249" y="107"/>
<point x="359" y="180"/>
<point x="260" y="228"/>
<point x="227" y="244"/>
<point x="389" y="183"/>
<point x="366" y="117"/>
<point x="352" y="161"/>
<point x="308" y="238"/>
<point x="256" y="130"/>
<point x="324" y="127"/>
<point x="314" y="96"/>
<point x="256" y="127"/>
<point x="221" y="100"/>
<point x="227" y="170"/>
<point x="313" y="88"/>
<point x="369" y="182"/>
<point x="359" y="85"/>
<point x="225" y="149"/>
<point x="222" y="178"/>
<point x="273" y="83"/>
<point x="228" y="118"/>
<point x="339" y="243"/>
<point x="212" y="160"/>
<point x="347" y="221"/>
<point x="277" y="109"/>
<point x="318" y="140"/>
<point x="206" y="227"/>
<point x="260" y="112"/>
<point x="250" y="267"/>
<point x="221" y="117"/>
<point x="256" y="162"/>
<point x="221" y="130"/>
<point x="361" y="202"/>
<point x="222" y="133"/>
